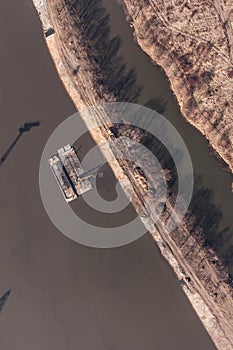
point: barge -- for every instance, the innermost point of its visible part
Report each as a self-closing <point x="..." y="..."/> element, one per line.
<point x="69" y="173"/>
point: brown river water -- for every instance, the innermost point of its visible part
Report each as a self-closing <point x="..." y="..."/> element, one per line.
<point x="66" y="296"/>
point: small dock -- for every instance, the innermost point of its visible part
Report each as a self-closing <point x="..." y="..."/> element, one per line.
<point x="69" y="172"/>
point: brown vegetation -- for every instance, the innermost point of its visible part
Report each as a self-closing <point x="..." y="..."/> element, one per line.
<point x="193" y="42"/>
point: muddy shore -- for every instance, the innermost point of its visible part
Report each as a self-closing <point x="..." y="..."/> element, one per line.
<point x="215" y="315"/>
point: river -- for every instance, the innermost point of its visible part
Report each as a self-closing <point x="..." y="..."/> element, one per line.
<point x="65" y="296"/>
<point x="154" y="84"/>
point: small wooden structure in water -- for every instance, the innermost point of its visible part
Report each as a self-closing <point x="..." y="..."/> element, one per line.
<point x="69" y="173"/>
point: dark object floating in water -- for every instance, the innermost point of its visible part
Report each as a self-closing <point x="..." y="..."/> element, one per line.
<point x="3" y="300"/>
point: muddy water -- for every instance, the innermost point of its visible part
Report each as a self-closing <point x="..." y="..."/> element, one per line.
<point x="66" y="296"/>
<point x="154" y="84"/>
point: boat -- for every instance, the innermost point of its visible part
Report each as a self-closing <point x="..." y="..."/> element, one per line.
<point x="69" y="173"/>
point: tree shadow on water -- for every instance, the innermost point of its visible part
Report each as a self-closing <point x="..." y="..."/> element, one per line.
<point x="25" y="128"/>
<point x="3" y="300"/>
<point x="110" y="73"/>
<point x="209" y="217"/>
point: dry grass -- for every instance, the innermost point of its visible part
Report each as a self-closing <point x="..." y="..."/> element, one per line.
<point x="193" y="42"/>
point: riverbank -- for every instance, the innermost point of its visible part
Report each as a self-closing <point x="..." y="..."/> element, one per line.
<point x="215" y="313"/>
<point x="196" y="59"/>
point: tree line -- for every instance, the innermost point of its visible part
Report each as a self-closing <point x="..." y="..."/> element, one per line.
<point x="110" y="73"/>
